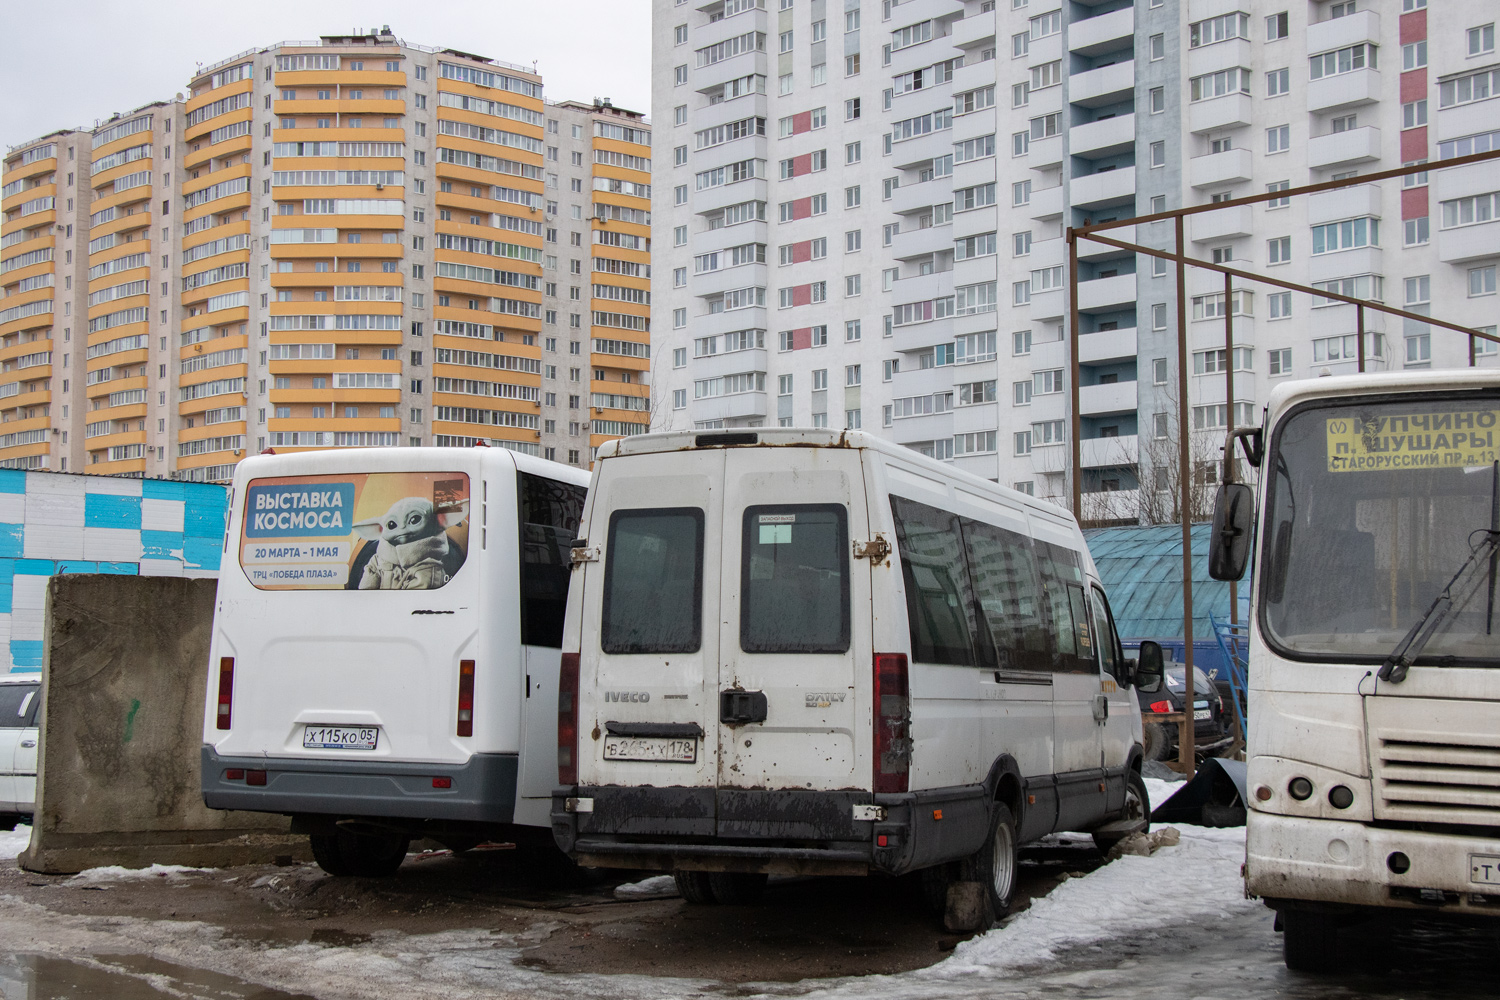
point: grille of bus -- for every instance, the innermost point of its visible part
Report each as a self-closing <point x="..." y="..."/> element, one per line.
<point x="1432" y="781"/>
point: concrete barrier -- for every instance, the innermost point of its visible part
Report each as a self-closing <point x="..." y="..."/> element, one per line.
<point x="123" y="677"/>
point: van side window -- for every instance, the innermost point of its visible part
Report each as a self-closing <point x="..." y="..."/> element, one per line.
<point x="13" y="697"/>
<point x="939" y="600"/>
<point x="1010" y="596"/>
<point x="653" y="581"/>
<point x="1062" y="576"/>
<point x="1110" y="656"/>
<point x="794" y="579"/>
<point x="550" y="514"/>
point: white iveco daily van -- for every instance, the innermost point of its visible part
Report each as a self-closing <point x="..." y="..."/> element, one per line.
<point x="809" y="651"/>
<point x="385" y="647"/>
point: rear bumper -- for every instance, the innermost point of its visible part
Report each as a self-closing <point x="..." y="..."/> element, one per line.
<point x="483" y="789"/>
<point x="790" y="831"/>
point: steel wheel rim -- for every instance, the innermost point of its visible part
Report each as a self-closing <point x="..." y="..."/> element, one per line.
<point x="1003" y="862"/>
<point x="1135" y="808"/>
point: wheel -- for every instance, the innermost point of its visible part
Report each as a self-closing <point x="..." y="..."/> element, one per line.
<point x="365" y="855"/>
<point x="737" y="888"/>
<point x="997" y="864"/>
<point x="695" y="887"/>
<point x="1309" y="941"/>
<point x="1157" y="742"/>
<point x="1137" y="808"/>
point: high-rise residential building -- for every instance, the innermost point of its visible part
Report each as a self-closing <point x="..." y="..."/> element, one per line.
<point x="351" y="242"/>
<point x="840" y="246"/>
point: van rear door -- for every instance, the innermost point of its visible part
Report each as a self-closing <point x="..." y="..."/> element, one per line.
<point x="795" y="607"/>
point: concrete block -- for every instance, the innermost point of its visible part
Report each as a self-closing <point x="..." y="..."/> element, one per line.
<point x="966" y="908"/>
<point x="123" y="687"/>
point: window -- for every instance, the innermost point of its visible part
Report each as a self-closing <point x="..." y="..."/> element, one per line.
<point x="1471" y="210"/>
<point x="1278" y="186"/>
<point x="1045" y="25"/>
<point x="1481" y="281"/>
<point x="1048" y="432"/>
<point x="852" y="152"/>
<point x="851" y="330"/>
<point x="1020" y="343"/>
<point x="1278" y="139"/>
<point x="1022" y="443"/>
<point x="1019" y="45"/>
<point x="1158" y="99"/>
<point x="679" y="399"/>
<point x="1418" y="290"/>
<point x="679" y="75"/>
<point x="1159" y="371"/>
<point x="653" y="581"/>
<point x="1279" y="250"/>
<point x="1416" y="232"/>
<point x="820" y="379"/>
<point x="679" y="357"/>
<point x="1413" y="55"/>
<point x="1020" y="193"/>
<point x="851" y="285"/>
<point x="1279" y="361"/>
<point x="1158" y="154"/>
<point x="1481" y="40"/>
<point x="1346" y="235"/>
<point x="1360" y="286"/>
<point x="1418" y="350"/>
<point x="1159" y="316"/>
<point x="794" y="592"/>
<point x="851" y="196"/>
<point x="1413" y="114"/>
<point x="1219" y="29"/>
<point x="1158" y="47"/>
<point x="1278" y="82"/>
<point x="1021" y="393"/>
<point x="1350" y="59"/>
<point x="1280" y="304"/>
<point x="1043" y="76"/>
<point x="1225" y="81"/>
<point x="1344" y="123"/>
<point x="1346" y="348"/>
<point x="1047" y="382"/>
<point x="1276" y="26"/>
<point x="1020" y="293"/>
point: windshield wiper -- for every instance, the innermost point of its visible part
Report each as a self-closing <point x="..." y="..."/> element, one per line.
<point x="1473" y="569"/>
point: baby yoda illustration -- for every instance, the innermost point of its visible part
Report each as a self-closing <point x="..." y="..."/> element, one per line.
<point x="413" y="551"/>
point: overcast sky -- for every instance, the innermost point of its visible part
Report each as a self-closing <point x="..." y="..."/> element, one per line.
<point x="66" y="64"/>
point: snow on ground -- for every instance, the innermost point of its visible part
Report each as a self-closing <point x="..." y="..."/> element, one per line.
<point x="13" y="842"/>
<point x="119" y="873"/>
<point x="657" y="887"/>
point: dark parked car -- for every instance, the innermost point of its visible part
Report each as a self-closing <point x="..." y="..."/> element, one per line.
<point x="1210" y="716"/>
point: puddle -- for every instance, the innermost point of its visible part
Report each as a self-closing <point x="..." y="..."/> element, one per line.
<point x="122" y="977"/>
<point x="332" y="937"/>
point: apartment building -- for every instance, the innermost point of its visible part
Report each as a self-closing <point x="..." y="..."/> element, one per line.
<point x="835" y="218"/>
<point x="347" y="242"/>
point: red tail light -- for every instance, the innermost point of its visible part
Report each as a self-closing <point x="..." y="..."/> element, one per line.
<point x="1161" y="706"/>
<point x="567" y="720"/>
<point x="466" y="697"/>
<point x="226" y="692"/>
<point x="892" y="723"/>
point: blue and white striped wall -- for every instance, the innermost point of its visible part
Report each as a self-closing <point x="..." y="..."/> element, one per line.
<point x="54" y="522"/>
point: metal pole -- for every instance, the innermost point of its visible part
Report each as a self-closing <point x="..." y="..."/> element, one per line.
<point x="1076" y="473"/>
<point x="1359" y="327"/>
<point x="1229" y="428"/>
<point x="1471" y="351"/>
<point x="1185" y="496"/>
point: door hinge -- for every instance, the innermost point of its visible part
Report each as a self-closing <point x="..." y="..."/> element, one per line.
<point x="1101" y="708"/>
<point x="583" y="554"/>
<point x="877" y="549"/>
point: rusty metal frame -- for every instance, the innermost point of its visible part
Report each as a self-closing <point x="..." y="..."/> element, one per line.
<point x="1092" y="232"/>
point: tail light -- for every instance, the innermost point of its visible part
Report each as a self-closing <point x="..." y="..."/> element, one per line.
<point x="567" y="720"/>
<point x="1161" y="706"/>
<point x="466" y="697"/>
<point x="892" y="723"/>
<point x="226" y="692"/>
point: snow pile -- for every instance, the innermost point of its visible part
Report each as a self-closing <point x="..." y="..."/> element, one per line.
<point x="13" y="842"/>
<point x="118" y="873"/>
<point x="658" y="887"/>
<point x="1197" y="881"/>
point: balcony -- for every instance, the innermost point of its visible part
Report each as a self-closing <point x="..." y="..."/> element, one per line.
<point x="1106" y="345"/>
<point x="1096" y="35"/>
<point x="1090" y="250"/>
<point x="1106" y="137"/>
<point x="716" y="365"/>
<point x="1233" y="166"/>
<point x="1222" y="224"/>
<point x="726" y="278"/>
<point x="910" y="152"/>
<point x="1044" y="154"/>
<point x="1463" y="182"/>
<point x="918" y="197"/>
<point x="1344" y="90"/>
<point x="921" y="242"/>
<point x="1343" y="203"/>
<point x="1108" y="452"/>
<point x="1105" y="85"/>
<point x="741" y="404"/>
<point x="1049" y="253"/>
<point x="1343" y="263"/>
<point x="971" y="32"/>
<point x="1356" y="145"/>
<point x="1106" y="294"/>
<point x="1341" y="32"/>
<point x="1051" y="458"/>
<point x="1466" y="243"/>
<point x="921" y="381"/>
<point x="1109" y="187"/>
<point x="1047" y="203"/>
<point x="1229" y="111"/>
<point x="929" y="427"/>
<point x="1100" y="400"/>
<point x="1215" y="56"/>
<point x="1047" y="305"/>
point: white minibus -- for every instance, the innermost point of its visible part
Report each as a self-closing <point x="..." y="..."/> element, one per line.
<point x="817" y="652"/>
<point x="385" y="647"/>
<point x="1374" y="694"/>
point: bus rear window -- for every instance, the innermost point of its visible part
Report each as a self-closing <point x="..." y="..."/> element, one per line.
<point x="355" y="531"/>
<point x="794" y="586"/>
<point x="653" y="581"/>
<point x="550" y="512"/>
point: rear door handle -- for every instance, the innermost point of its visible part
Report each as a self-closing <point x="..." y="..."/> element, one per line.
<point x="740" y="707"/>
<point x="28" y="743"/>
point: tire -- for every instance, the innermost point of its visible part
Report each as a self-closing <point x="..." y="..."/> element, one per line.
<point x="362" y="855"/>
<point x="694" y="887"/>
<point x="1309" y="941"/>
<point x="1137" y="806"/>
<point x="1157" y="743"/>
<point x="737" y="888"/>
<point x="997" y="866"/>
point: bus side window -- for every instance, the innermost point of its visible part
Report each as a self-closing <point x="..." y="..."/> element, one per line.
<point x="939" y="598"/>
<point x="550" y="514"/>
<point x="1009" y="594"/>
<point x="1062" y="576"/>
<point x="1106" y="642"/>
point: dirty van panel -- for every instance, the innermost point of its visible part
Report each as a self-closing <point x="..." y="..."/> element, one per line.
<point x="648" y="693"/>
<point x="796" y="609"/>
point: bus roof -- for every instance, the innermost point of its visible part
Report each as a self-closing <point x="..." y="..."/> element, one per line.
<point x="1289" y="394"/>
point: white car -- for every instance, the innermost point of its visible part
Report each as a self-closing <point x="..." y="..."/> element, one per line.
<point x="20" y="699"/>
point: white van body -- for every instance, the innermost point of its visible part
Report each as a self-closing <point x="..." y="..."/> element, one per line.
<point x="20" y="705"/>
<point x="806" y="580"/>
<point x="344" y="689"/>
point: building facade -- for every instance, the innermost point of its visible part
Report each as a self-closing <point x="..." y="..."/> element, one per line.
<point x="349" y="242"/>
<point x="861" y="220"/>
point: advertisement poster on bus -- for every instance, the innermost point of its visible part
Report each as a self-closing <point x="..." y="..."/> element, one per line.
<point x="355" y="531"/>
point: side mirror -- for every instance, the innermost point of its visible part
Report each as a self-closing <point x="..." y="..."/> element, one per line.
<point x="1229" y="543"/>
<point x="1149" y="668"/>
